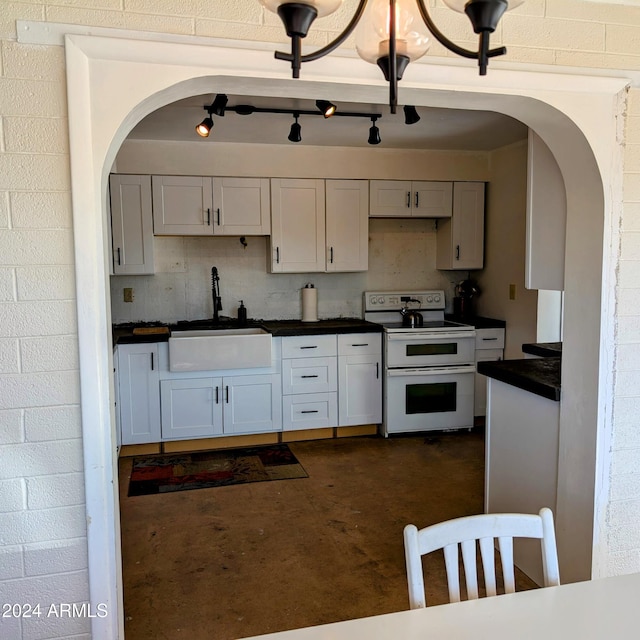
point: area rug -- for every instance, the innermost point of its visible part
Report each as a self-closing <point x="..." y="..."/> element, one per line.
<point x="206" y="469"/>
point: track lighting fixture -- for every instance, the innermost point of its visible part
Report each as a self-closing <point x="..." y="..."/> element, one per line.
<point x="326" y="108"/>
<point x="410" y="115"/>
<point x="219" y="104"/>
<point x="204" y="128"/>
<point x="296" y="130"/>
<point x="374" y="132"/>
<point x="391" y="33"/>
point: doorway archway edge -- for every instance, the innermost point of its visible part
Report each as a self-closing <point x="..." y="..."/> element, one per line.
<point x="114" y="82"/>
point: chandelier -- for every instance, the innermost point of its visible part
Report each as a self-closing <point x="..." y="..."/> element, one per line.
<point x="390" y="33"/>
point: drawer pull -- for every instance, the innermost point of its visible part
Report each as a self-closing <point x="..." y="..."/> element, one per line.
<point x="309" y="376"/>
<point x="488" y="339"/>
<point x="360" y="344"/>
<point x="315" y="346"/>
<point x="310" y="411"/>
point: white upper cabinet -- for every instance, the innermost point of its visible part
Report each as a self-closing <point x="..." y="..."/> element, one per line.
<point x="241" y="206"/>
<point x="297" y="225"/>
<point x="546" y="219"/>
<point x="347" y="225"/>
<point x="460" y="239"/>
<point x="314" y="230"/>
<point x="204" y="206"/>
<point x="131" y="224"/>
<point x="410" y="199"/>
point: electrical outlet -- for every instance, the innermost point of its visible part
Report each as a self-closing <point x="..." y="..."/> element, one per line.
<point x="128" y="294"/>
<point x="512" y="292"/>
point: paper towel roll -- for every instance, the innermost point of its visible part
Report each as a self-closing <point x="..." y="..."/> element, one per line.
<point x="309" y="304"/>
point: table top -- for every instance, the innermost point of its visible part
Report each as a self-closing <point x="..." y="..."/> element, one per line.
<point x="593" y="610"/>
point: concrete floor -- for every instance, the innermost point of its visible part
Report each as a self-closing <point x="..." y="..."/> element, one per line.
<point x="243" y="560"/>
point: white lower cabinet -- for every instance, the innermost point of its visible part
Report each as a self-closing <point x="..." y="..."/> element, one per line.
<point x="359" y="379"/>
<point x="138" y="393"/>
<point x="309" y="384"/>
<point x="230" y="405"/>
<point x="489" y="347"/>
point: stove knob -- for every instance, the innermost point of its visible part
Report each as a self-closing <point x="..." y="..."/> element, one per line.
<point x="381" y="299"/>
<point x="430" y="298"/>
<point x="373" y="300"/>
<point x="436" y="298"/>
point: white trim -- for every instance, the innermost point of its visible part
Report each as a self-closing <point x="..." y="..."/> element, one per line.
<point x="115" y="82"/>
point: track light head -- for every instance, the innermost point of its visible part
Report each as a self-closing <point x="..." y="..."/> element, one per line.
<point x="411" y="116"/>
<point x="204" y="128"/>
<point x="295" y="135"/>
<point x="374" y="133"/>
<point x="327" y="108"/>
<point x="219" y="104"/>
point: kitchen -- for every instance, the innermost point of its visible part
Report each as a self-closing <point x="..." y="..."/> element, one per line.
<point x="402" y="252"/>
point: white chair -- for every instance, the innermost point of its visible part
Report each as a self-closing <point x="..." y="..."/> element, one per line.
<point x="484" y="529"/>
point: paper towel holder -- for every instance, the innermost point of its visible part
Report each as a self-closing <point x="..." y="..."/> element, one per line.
<point x="309" y="303"/>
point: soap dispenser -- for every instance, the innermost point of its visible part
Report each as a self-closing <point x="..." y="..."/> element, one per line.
<point x="242" y="314"/>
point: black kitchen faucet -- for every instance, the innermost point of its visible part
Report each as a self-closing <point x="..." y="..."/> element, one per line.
<point x="215" y="293"/>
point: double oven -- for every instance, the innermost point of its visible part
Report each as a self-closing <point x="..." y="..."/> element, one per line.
<point x="429" y="369"/>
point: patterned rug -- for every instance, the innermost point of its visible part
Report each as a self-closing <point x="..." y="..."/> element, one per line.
<point x="205" y="469"/>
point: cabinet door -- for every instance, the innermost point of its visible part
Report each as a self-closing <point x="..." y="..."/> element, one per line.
<point x="182" y="206"/>
<point x="432" y="199"/>
<point x="139" y="393"/>
<point x="131" y="224"/>
<point x="460" y="239"/>
<point x="389" y="198"/>
<point x="359" y="390"/>
<point x="252" y="404"/>
<point x="480" y="390"/>
<point x="241" y="207"/>
<point x="297" y="226"/>
<point x="546" y="218"/>
<point x="191" y="408"/>
<point x="347" y="220"/>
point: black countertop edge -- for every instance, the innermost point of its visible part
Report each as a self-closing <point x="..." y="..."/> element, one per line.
<point x="536" y="375"/>
<point x="123" y="333"/>
<point x="479" y="322"/>
<point x="543" y="349"/>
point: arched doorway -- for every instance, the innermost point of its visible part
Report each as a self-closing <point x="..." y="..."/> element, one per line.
<point x="114" y="83"/>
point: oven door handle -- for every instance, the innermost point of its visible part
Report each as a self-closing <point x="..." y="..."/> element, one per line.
<point x="431" y="371"/>
<point x="424" y="335"/>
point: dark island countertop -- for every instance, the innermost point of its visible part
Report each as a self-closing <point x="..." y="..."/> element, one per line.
<point x="536" y="375"/>
<point x="543" y="349"/>
<point x="129" y="333"/>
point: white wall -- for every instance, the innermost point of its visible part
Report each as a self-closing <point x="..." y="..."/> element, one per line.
<point x="505" y="233"/>
<point x="401" y="252"/>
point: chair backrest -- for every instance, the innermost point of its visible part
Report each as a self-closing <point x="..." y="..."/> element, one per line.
<point x="483" y="529"/>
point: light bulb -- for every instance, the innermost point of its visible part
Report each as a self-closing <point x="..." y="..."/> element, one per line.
<point x="323" y="7"/>
<point x="372" y="34"/>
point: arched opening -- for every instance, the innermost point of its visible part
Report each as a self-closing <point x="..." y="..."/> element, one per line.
<point x="115" y="83"/>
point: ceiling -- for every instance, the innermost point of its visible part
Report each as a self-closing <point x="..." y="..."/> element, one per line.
<point x="447" y="129"/>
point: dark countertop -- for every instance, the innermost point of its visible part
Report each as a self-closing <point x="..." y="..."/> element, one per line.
<point x="543" y="349"/>
<point x="479" y="322"/>
<point x="124" y="333"/>
<point x="536" y="375"/>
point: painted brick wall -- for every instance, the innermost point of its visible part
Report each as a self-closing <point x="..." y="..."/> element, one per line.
<point x="42" y="528"/>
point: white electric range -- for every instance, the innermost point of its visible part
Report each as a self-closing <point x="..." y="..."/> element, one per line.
<point x="429" y="369"/>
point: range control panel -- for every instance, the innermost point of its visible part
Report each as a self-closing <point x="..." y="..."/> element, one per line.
<point x="393" y="300"/>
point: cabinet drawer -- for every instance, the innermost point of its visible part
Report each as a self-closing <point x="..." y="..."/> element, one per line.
<point x="353" y="344"/>
<point x="309" y="375"/>
<point x="489" y="338"/>
<point x="309" y="411"/>
<point x="309" y="346"/>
